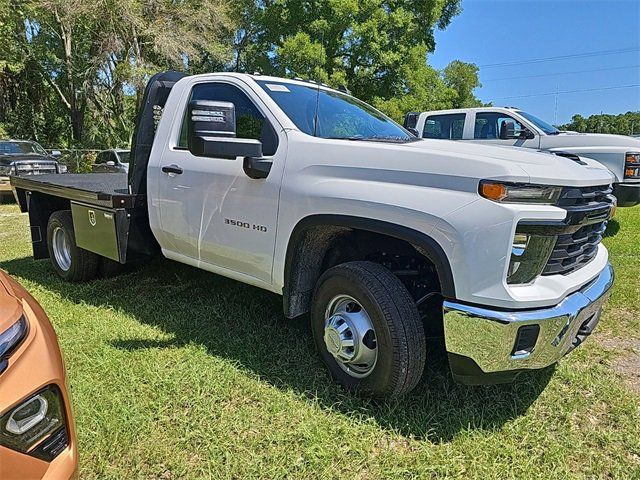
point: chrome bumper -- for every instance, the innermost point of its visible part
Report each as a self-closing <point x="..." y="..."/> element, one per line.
<point x="481" y="342"/>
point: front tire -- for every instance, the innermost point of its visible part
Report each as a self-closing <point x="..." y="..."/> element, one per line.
<point x="70" y="262"/>
<point x="367" y="329"/>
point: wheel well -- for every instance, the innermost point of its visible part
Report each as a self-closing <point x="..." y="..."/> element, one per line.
<point x="40" y="207"/>
<point x="314" y="248"/>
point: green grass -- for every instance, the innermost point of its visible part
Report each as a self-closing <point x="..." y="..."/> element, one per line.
<point x="177" y="373"/>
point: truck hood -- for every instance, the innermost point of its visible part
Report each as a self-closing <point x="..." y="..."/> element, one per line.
<point x="540" y="167"/>
<point x="10" y="304"/>
<point x="575" y="139"/>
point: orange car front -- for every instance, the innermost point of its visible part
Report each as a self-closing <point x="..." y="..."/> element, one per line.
<point x="37" y="435"/>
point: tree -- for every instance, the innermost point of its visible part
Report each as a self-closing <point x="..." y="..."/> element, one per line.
<point x="72" y="72"/>
<point x="88" y="58"/>
<point x="463" y="79"/>
<point x="622" y="124"/>
<point x="370" y="46"/>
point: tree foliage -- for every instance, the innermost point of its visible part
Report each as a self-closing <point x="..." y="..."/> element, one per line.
<point x="376" y="48"/>
<point x="623" y="124"/>
<point x="72" y="71"/>
<point x="87" y="60"/>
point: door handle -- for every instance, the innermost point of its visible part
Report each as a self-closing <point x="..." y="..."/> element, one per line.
<point x="173" y="168"/>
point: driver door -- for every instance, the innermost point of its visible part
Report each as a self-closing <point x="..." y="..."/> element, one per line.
<point x="212" y="211"/>
<point x="488" y="125"/>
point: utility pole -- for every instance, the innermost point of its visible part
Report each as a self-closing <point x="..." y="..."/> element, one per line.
<point x="600" y="122"/>
<point x="555" y="113"/>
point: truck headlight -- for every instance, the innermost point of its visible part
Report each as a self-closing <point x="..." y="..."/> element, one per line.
<point x="632" y="165"/>
<point x="39" y="416"/>
<point x="529" y="255"/>
<point x="506" y="192"/>
<point x="7" y="170"/>
<point x="10" y="339"/>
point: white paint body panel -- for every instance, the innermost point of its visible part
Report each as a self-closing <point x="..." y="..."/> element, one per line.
<point x="430" y="186"/>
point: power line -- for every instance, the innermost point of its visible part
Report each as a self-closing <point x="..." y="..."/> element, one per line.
<point x="561" y="57"/>
<point x="568" y="91"/>
<point x="562" y="73"/>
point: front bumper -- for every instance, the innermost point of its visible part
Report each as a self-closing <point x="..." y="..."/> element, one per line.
<point x="481" y="342"/>
<point x="628" y="194"/>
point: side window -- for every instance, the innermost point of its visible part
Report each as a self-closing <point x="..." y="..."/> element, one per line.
<point x="113" y="158"/>
<point x="489" y="124"/>
<point x="100" y="158"/>
<point x="250" y="122"/>
<point x="449" y="127"/>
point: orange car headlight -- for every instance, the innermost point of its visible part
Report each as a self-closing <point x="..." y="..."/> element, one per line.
<point x="10" y="339"/>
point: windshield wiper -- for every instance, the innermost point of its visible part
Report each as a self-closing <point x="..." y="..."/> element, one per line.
<point x="352" y="138"/>
<point x="360" y="138"/>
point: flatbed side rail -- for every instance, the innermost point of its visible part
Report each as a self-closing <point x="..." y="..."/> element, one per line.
<point x="97" y="198"/>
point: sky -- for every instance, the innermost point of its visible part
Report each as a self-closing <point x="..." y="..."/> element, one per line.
<point x="599" y="39"/>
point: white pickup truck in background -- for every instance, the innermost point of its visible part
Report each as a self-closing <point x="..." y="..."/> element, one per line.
<point x="508" y="126"/>
<point x="379" y="236"/>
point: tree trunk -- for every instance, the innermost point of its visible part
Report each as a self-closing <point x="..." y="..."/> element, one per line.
<point x="76" y="114"/>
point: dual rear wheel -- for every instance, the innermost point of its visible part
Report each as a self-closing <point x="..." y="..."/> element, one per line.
<point x="71" y="262"/>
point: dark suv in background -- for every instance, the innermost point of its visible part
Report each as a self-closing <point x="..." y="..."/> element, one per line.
<point x="24" y="157"/>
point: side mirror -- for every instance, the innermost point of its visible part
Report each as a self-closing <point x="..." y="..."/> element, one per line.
<point x="110" y="164"/>
<point x="211" y="130"/>
<point x="526" y="134"/>
<point x="56" y="153"/>
<point x="413" y="131"/>
<point x="508" y="131"/>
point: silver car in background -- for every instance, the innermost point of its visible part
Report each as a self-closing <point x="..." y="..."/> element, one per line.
<point x="112" y="161"/>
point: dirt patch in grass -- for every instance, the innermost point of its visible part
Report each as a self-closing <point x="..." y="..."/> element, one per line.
<point x="628" y="363"/>
<point x="629" y="366"/>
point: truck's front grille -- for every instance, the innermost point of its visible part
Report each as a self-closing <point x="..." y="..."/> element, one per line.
<point x="585" y="196"/>
<point x="588" y="208"/>
<point x="35" y="169"/>
<point x="573" y="251"/>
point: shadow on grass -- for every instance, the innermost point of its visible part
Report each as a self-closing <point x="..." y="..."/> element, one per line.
<point x="613" y="226"/>
<point x="245" y="324"/>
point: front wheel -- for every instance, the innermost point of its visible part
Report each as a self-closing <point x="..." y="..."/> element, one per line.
<point x="367" y="329"/>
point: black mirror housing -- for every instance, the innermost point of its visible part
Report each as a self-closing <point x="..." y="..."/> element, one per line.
<point x="508" y="131"/>
<point x="221" y="147"/>
<point x="211" y="131"/>
<point x="209" y="118"/>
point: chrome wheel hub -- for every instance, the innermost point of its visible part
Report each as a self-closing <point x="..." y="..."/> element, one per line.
<point x="349" y="336"/>
<point x="61" y="248"/>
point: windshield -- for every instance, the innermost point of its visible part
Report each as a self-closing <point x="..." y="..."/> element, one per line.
<point x="21" y="148"/>
<point x="541" y="124"/>
<point x="124" y="157"/>
<point x="338" y="115"/>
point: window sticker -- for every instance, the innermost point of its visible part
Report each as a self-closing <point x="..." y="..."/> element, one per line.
<point x="277" y="87"/>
